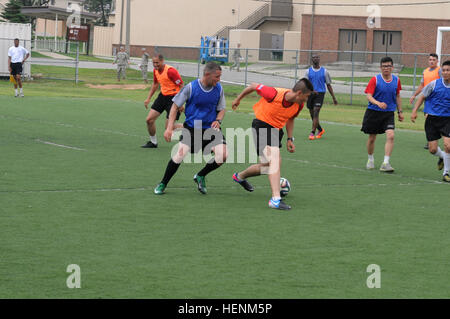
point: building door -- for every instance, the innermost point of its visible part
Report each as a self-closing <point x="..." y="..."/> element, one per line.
<point x="387" y="42"/>
<point x="352" y="40"/>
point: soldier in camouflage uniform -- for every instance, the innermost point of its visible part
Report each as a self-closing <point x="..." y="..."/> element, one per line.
<point x="236" y="58"/>
<point x="122" y="61"/>
<point x="144" y="65"/>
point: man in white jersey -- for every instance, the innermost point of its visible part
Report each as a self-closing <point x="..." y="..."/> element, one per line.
<point x="17" y="55"/>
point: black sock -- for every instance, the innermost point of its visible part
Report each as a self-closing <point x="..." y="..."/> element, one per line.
<point x="319" y="128"/>
<point x="208" y="169"/>
<point x="171" y="169"/>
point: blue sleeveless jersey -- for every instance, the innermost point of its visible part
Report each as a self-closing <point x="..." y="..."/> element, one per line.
<point x="385" y="92"/>
<point x="317" y="79"/>
<point x="438" y="102"/>
<point x="202" y="105"/>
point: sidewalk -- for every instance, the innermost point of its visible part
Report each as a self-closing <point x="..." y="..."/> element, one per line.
<point x="54" y="55"/>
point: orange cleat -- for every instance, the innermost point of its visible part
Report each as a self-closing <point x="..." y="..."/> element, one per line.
<point x="320" y="134"/>
<point x="311" y="136"/>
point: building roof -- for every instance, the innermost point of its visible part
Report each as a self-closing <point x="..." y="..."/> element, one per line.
<point x="49" y="12"/>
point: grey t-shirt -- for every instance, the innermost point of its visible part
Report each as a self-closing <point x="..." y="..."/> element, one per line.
<point x="327" y="75"/>
<point x="185" y="94"/>
<point x="429" y="88"/>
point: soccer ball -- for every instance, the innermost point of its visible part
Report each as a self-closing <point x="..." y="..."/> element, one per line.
<point x="285" y="187"/>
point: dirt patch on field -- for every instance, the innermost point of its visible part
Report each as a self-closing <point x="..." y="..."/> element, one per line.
<point x="118" y="86"/>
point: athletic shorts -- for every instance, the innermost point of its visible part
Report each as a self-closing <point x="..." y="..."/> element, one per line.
<point x="265" y="135"/>
<point x="437" y="126"/>
<point x="16" y="68"/>
<point x="377" y="122"/>
<point x="164" y="103"/>
<point x="315" y="100"/>
<point x="204" y="139"/>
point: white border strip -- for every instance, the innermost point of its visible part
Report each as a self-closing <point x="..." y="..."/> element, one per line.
<point x="60" y="145"/>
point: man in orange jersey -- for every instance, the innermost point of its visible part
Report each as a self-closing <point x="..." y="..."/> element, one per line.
<point x="277" y="108"/>
<point x="168" y="78"/>
<point x="430" y="74"/>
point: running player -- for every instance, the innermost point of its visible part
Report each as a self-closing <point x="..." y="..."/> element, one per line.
<point x="205" y="110"/>
<point x="168" y="78"/>
<point x="437" y="105"/>
<point x="277" y="108"/>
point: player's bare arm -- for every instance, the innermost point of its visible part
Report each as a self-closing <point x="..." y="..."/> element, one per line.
<point x="249" y="89"/>
<point x="419" y="89"/>
<point x="418" y="104"/>
<point x="401" y="117"/>
<point x="170" y="122"/>
<point x="152" y="91"/>
<point x="290" y="131"/>
<point x="220" y="116"/>
<point x="330" y="89"/>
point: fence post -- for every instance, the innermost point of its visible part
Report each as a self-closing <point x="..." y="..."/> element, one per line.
<point x="246" y="66"/>
<point x="415" y="71"/>
<point x="296" y="67"/>
<point x="351" y="85"/>
<point x="76" y="62"/>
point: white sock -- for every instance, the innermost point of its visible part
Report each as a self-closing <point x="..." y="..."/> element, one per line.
<point x="153" y="139"/>
<point x="386" y="159"/>
<point x="371" y="158"/>
<point x="275" y="199"/>
<point x="15" y="90"/>
<point x="446" y="163"/>
<point x="439" y="153"/>
<point x="21" y="90"/>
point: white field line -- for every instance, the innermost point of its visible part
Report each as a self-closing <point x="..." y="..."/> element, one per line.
<point x="59" y="145"/>
<point x="128" y="189"/>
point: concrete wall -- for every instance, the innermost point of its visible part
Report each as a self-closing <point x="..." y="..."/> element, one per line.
<point x="40" y="27"/>
<point x="103" y="41"/>
<point x="291" y="42"/>
<point x="249" y="39"/>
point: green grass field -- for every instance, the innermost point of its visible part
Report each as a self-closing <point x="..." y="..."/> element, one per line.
<point x="93" y="205"/>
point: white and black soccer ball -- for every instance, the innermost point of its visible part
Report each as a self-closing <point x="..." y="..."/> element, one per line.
<point x="285" y="186"/>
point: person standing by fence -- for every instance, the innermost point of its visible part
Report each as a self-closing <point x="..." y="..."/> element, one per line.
<point x="236" y="58"/>
<point x="122" y="60"/>
<point x="144" y="65"/>
<point x="17" y="55"/>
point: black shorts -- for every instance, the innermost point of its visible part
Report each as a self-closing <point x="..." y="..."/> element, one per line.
<point x="265" y="134"/>
<point x="377" y="122"/>
<point x="164" y="103"/>
<point x="204" y="139"/>
<point x="16" y="68"/>
<point x="437" y="126"/>
<point x="315" y="100"/>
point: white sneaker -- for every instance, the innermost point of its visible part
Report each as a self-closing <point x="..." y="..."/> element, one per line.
<point x="386" y="167"/>
<point x="21" y="94"/>
<point x="16" y="95"/>
<point x="370" y="164"/>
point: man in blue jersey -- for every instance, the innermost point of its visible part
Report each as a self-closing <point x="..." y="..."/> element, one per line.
<point x="383" y="94"/>
<point x="437" y="105"/>
<point x="321" y="80"/>
<point x="204" y="111"/>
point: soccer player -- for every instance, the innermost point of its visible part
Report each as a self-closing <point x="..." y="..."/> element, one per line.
<point x="321" y="80"/>
<point x="168" y="78"/>
<point x="437" y="105"/>
<point x="383" y="94"/>
<point x="204" y="110"/>
<point x="277" y="108"/>
<point x="430" y="74"/>
<point x="17" y="55"/>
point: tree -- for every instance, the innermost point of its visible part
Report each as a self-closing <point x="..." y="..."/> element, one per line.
<point x="12" y="12"/>
<point x="99" y="6"/>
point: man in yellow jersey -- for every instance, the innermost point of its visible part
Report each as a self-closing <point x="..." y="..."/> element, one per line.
<point x="168" y="78"/>
<point x="277" y="108"/>
<point x="430" y="74"/>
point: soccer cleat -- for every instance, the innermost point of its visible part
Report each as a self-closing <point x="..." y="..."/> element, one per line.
<point x="311" y="136"/>
<point x="150" y="145"/>
<point x="159" y="190"/>
<point x="320" y="134"/>
<point x="246" y="185"/>
<point x="446" y="178"/>
<point x="387" y="168"/>
<point x="370" y="164"/>
<point x="16" y="95"/>
<point x="426" y="146"/>
<point x="278" y="204"/>
<point x="440" y="164"/>
<point x="21" y="95"/>
<point x="201" y="185"/>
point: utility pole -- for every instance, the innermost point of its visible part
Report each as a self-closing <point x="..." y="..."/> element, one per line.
<point x="127" y="48"/>
<point x="312" y="29"/>
<point x="121" y="23"/>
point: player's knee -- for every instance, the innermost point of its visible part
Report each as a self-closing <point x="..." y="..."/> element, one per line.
<point x="447" y="145"/>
